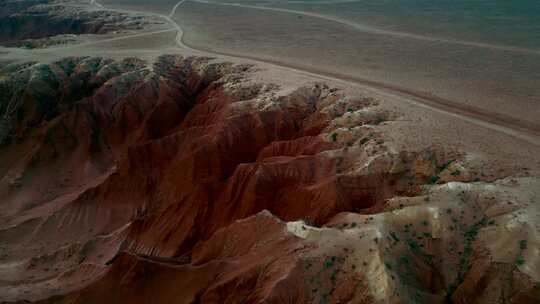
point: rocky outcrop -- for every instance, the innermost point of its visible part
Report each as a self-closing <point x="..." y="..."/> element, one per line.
<point x="23" y="23"/>
<point x="186" y="181"/>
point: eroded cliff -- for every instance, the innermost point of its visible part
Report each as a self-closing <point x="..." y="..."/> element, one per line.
<point x="186" y="181"/>
<point x="41" y="23"/>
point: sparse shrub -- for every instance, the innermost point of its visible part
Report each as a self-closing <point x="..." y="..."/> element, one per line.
<point x="328" y="263"/>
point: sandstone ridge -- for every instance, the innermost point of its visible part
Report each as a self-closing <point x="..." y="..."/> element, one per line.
<point x="184" y="180"/>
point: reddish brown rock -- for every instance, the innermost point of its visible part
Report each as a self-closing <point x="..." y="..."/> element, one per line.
<point x="188" y="182"/>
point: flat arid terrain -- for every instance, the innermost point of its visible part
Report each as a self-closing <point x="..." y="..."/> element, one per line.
<point x="269" y="151"/>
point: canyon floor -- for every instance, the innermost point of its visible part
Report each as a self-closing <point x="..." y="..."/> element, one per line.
<point x="136" y="168"/>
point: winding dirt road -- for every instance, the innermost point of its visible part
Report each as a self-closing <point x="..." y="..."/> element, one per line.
<point x="524" y="130"/>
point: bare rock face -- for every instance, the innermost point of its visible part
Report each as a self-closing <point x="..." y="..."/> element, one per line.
<point x="24" y="23"/>
<point x="185" y="181"/>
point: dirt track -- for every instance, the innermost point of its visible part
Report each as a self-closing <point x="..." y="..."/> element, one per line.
<point x="505" y="124"/>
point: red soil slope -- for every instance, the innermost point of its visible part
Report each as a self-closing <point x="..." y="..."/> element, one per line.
<point x="187" y="182"/>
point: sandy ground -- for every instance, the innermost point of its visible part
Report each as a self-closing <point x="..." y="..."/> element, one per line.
<point x="502" y="81"/>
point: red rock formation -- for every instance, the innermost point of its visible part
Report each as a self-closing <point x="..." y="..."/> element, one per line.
<point x="23" y="21"/>
<point x="187" y="182"/>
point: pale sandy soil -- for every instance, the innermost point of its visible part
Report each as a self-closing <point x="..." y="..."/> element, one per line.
<point x="496" y="80"/>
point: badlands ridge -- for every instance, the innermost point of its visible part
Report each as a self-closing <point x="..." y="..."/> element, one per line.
<point x="186" y="179"/>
